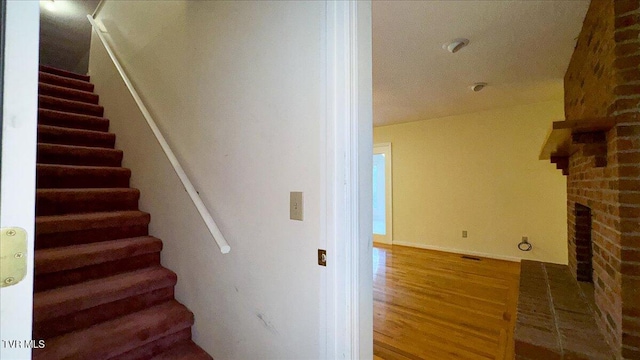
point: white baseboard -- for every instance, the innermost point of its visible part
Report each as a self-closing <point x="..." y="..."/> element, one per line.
<point x="458" y="251"/>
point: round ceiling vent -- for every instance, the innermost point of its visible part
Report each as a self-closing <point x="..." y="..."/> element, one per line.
<point x="455" y="45"/>
<point x="478" y="86"/>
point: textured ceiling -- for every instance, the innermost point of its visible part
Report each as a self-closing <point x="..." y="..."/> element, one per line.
<point x="520" y="48"/>
<point x="65" y="34"/>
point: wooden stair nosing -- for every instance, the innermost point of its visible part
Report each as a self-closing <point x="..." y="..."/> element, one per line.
<point x="112" y="338"/>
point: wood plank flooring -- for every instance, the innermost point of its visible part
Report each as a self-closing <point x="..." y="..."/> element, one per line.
<point x="436" y="305"/>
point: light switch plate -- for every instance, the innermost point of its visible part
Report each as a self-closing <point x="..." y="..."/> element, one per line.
<point x="296" y="207"/>
<point x="13" y="255"/>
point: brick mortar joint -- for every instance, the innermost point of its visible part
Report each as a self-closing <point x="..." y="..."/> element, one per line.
<point x="627" y="97"/>
<point x="630" y="12"/>
<point x="553" y="309"/>
<point x="610" y="255"/>
<point x="630" y="27"/>
<point x="628" y="41"/>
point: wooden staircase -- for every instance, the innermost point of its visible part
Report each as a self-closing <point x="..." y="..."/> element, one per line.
<point x="100" y="291"/>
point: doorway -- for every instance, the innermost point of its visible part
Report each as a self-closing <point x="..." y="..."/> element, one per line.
<point x="382" y="194"/>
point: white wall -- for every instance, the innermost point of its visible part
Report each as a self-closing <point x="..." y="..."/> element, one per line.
<point x="238" y="90"/>
<point x="479" y="172"/>
<point x="17" y="208"/>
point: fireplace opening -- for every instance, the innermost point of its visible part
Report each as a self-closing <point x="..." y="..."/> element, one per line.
<point x="584" y="246"/>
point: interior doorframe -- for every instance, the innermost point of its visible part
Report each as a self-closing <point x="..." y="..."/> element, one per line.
<point x="385" y="148"/>
<point x="18" y="165"/>
<point x="348" y="192"/>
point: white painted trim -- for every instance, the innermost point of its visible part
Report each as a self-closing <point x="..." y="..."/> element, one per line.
<point x="177" y="167"/>
<point x="18" y="183"/>
<point x="97" y="9"/>
<point x="385" y="148"/>
<point x="348" y="176"/>
<point x="457" y="251"/>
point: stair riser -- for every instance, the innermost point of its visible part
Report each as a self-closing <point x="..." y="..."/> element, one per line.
<point x="82" y="157"/>
<point x="65" y="82"/>
<point x="84" y="319"/>
<point x="68" y="94"/>
<point x="154" y="348"/>
<point x="82" y="178"/>
<point x="60" y="72"/>
<point x="72" y="121"/>
<point x="64" y="278"/>
<point x="74" y="203"/>
<point x="44" y="241"/>
<point x="69" y="106"/>
<point x="98" y="139"/>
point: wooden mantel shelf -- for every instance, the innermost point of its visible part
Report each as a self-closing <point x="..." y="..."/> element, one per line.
<point x="565" y="134"/>
<point x="559" y="140"/>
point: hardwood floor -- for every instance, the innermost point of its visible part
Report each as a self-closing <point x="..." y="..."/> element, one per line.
<point x="436" y="305"/>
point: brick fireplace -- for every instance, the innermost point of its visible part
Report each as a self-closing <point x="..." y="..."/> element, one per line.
<point x="603" y="168"/>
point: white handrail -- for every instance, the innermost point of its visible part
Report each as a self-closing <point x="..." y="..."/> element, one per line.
<point x="202" y="209"/>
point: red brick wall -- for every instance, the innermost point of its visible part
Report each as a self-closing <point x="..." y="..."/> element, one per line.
<point x="603" y="79"/>
<point x="590" y="79"/>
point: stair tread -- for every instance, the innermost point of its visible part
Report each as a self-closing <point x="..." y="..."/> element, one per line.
<point x="78" y="155"/>
<point x="50" y="134"/>
<point x="59" y="201"/>
<point x="51" y="117"/>
<point x="72" y="106"/>
<point x="75" y="222"/>
<point x="73" y="298"/>
<point x="114" y="337"/>
<point x="80" y="148"/>
<point x="64" y="81"/>
<point x="71" y="167"/>
<point x="88" y="190"/>
<point x="77" y="256"/>
<point x="67" y="93"/>
<point x="55" y="176"/>
<point x="186" y="351"/>
<point x="65" y="73"/>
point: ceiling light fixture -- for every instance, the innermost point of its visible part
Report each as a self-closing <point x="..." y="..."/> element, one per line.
<point x="478" y="86"/>
<point x="49" y="5"/>
<point x="455" y="45"/>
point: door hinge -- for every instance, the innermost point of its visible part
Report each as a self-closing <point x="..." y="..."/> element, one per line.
<point x="13" y="255"/>
<point x="322" y="257"/>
